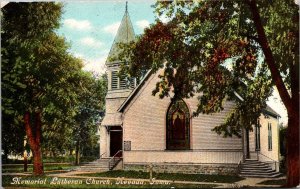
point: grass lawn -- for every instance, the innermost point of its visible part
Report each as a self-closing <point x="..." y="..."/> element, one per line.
<point x="18" y="168"/>
<point x="169" y="176"/>
<point x="50" y="182"/>
<point x="274" y="182"/>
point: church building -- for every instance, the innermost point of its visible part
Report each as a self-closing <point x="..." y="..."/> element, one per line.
<point x="140" y="129"/>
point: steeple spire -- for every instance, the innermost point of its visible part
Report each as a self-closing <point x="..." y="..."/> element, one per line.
<point x="125" y="34"/>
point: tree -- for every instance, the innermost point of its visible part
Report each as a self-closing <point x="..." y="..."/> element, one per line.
<point x="38" y="73"/>
<point x="90" y="111"/>
<point x="219" y="48"/>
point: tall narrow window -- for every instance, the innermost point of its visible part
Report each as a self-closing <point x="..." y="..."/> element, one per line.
<point x="123" y="83"/>
<point x="269" y="136"/>
<point x="178" y="126"/>
<point x="257" y="136"/>
<point x="114" y="80"/>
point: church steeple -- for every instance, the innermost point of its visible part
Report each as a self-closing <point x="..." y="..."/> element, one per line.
<point x="125" y="34"/>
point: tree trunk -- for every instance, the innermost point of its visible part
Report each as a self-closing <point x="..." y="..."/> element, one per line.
<point x="291" y="102"/>
<point x="34" y="137"/>
<point x="77" y="154"/>
<point x="25" y="162"/>
<point x="292" y="155"/>
<point x="38" y="162"/>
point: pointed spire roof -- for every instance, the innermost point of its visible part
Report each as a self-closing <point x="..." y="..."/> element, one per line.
<point x="125" y="34"/>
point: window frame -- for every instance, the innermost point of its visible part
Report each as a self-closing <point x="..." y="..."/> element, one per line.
<point x="114" y="80"/>
<point x="257" y="136"/>
<point x="177" y="105"/>
<point x="270" y="136"/>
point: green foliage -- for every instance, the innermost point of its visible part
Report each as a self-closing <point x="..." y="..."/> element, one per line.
<point x="212" y="49"/>
<point x="34" y="58"/>
<point x="40" y="75"/>
<point x="90" y="112"/>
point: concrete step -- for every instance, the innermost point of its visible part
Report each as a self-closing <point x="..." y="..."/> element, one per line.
<point x="99" y="165"/>
<point x="253" y="163"/>
<point x="257" y="171"/>
<point x="256" y="168"/>
<point x="261" y="176"/>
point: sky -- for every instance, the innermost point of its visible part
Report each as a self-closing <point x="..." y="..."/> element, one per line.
<point x="91" y="26"/>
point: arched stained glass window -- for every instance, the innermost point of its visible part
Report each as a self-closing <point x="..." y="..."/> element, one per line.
<point x="178" y="126"/>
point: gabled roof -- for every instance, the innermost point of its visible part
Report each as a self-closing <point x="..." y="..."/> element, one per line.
<point x="125" y="34"/>
<point x="268" y="110"/>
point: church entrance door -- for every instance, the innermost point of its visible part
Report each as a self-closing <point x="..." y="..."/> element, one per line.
<point x="115" y="141"/>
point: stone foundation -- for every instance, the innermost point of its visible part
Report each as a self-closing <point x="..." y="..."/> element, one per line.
<point x="221" y="169"/>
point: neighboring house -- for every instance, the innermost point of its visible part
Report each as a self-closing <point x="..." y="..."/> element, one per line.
<point x="144" y="130"/>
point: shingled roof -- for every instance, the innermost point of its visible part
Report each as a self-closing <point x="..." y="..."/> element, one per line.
<point x="125" y="34"/>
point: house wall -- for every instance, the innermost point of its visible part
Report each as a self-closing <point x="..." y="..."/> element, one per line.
<point x="144" y="124"/>
<point x="267" y="155"/>
<point x="104" y="142"/>
<point x="264" y="154"/>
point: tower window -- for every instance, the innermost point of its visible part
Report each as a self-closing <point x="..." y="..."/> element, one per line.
<point x="114" y="80"/>
<point x="123" y="82"/>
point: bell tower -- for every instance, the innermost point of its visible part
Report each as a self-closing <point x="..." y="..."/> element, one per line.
<point x="118" y="87"/>
<point x="111" y="131"/>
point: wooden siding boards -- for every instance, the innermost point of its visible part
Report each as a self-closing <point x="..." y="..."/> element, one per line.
<point x="274" y="153"/>
<point x="188" y="157"/>
<point x="104" y="142"/>
<point x="144" y="125"/>
<point x="112" y="117"/>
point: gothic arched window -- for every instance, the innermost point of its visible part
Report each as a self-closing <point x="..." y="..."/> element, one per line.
<point x="178" y="126"/>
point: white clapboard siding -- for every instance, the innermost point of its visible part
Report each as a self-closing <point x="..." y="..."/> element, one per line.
<point x="181" y="157"/>
<point x="144" y="123"/>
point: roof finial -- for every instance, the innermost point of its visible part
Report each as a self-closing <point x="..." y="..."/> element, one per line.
<point x="126" y="7"/>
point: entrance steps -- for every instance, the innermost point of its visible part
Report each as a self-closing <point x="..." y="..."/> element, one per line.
<point x="255" y="168"/>
<point x="99" y="165"/>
